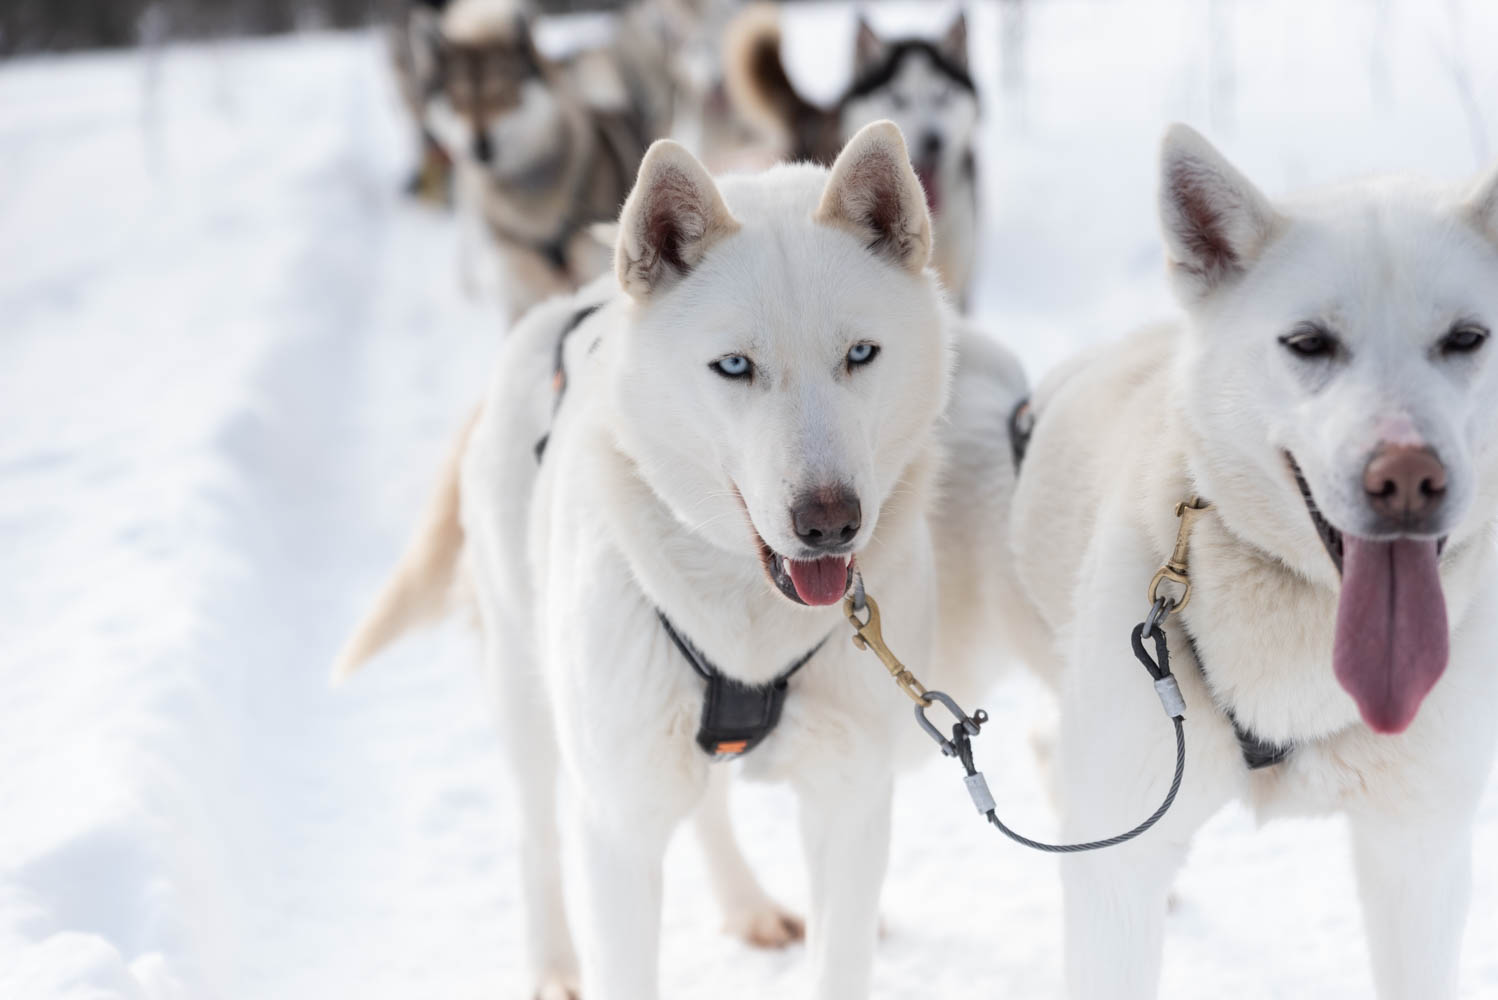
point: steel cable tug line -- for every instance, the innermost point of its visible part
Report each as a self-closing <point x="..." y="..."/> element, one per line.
<point x="867" y="635"/>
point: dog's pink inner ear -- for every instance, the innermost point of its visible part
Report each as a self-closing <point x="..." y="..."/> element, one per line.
<point x="673" y="220"/>
<point x="954" y="42"/>
<point x="1215" y="222"/>
<point x="874" y="194"/>
<point x="1203" y="228"/>
<point x="673" y="215"/>
<point x="869" y="47"/>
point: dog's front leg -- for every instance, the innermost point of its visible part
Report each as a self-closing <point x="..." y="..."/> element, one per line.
<point x="845" y="833"/>
<point x="1414" y="877"/>
<point x="1117" y="751"/>
<point x="619" y="858"/>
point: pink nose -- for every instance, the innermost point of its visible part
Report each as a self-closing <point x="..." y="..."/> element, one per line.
<point x="1405" y="482"/>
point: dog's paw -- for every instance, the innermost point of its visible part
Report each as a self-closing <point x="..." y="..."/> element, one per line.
<point x="766" y="925"/>
<point x="557" y="987"/>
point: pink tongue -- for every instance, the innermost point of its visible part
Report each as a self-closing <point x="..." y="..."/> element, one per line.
<point x="1391" y="643"/>
<point x="823" y="581"/>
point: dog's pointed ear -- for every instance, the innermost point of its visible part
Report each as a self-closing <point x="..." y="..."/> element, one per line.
<point x="869" y="49"/>
<point x="671" y="218"/>
<point x="1481" y="206"/>
<point x="954" y="42"/>
<point x="874" y="194"/>
<point x="1215" y="221"/>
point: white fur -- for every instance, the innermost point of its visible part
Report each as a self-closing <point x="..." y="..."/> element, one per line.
<point x="636" y="506"/>
<point x="1210" y="407"/>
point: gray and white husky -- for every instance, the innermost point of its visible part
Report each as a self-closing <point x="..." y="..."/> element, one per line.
<point x="923" y="86"/>
<point x="544" y="150"/>
<point x="1333" y="394"/>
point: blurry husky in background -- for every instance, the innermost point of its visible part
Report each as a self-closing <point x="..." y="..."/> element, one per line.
<point x="1332" y="393"/>
<point x="922" y="86"/>
<point x="543" y="149"/>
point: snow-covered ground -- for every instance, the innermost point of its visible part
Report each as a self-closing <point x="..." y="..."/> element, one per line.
<point x="230" y="357"/>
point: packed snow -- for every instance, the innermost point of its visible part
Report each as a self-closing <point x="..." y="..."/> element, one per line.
<point x="231" y="355"/>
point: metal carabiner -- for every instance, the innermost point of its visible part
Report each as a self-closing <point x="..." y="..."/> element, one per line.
<point x="969" y="724"/>
<point x="1159" y="611"/>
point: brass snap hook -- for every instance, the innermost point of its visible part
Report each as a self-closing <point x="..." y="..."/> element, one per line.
<point x="867" y="635"/>
<point x="1175" y="568"/>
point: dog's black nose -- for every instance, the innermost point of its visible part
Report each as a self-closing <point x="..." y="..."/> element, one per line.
<point x="931" y="144"/>
<point x="1405" y="483"/>
<point x="826" y="518"/>
<point x="482" y="150"/>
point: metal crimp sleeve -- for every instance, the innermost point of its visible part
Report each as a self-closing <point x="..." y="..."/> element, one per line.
<point x="1170" y="696"/>
<point x="978" y="789"/>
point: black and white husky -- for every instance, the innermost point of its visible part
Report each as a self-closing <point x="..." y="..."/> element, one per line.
<point x="922" y="85"/>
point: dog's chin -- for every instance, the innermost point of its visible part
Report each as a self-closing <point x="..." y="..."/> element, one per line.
<point x="816" y="582"/>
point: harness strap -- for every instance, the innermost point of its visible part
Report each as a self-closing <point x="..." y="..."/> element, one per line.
<point x="1021" y="428"/>
<point x="559" y="368"/>
<point x="736" y="717"/>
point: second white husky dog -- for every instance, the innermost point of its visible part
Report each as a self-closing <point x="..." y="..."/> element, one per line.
<point x="750" y="417"/>
<point x="1332" y="395"/>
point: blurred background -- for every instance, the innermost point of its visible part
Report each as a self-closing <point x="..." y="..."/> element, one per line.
<point x="28" y="26"/>
<point x="234" y="346"/>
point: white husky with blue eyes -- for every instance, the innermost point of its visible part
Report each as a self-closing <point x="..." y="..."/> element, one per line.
<point x="1334" y="396"/>
<point x="752" y="412"/>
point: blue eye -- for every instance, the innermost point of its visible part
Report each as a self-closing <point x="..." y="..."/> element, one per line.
<point x="733" y="366"/>
<point x="862" y="354"/>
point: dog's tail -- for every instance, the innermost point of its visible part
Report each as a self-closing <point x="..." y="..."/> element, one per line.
<point x="758" y="86"/>
<point x="421" y="588"/>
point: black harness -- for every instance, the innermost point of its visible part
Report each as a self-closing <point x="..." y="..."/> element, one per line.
<point x="1257" y="753"/>
<point x="736" y="717"/>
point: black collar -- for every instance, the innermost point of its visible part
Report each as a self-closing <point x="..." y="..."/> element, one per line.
<point x="736" y="717"/>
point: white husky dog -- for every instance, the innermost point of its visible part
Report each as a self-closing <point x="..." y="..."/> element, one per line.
<point x="1332" y="394"/>
<point x="750" y="416"/>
